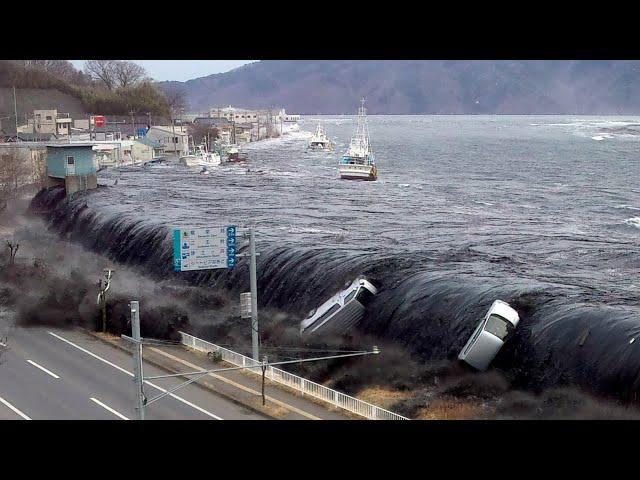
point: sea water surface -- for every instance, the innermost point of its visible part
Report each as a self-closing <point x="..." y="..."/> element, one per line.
<point x="543" y="212"/>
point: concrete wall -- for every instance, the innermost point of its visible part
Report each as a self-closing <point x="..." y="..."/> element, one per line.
<point x="77" y="183"/>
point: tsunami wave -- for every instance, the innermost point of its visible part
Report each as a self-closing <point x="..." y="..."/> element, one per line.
<point x="564" y="337"/>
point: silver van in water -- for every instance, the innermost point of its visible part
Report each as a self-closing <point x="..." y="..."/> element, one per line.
<point x="489" y="336"/>
<point x="340" y="312"/>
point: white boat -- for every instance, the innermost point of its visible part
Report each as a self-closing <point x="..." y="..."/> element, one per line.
<point x="358" y="163"/>
<point x="200" y="157"/>
<point x="320" y="141"/>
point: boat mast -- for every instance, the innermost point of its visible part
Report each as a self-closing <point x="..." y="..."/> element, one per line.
<point x="361" y="137"/>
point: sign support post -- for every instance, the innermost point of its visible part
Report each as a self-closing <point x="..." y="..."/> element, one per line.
<point x="253" y="274"/>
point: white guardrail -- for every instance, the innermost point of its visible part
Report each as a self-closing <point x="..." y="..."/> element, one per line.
<point x="300" y="384"/>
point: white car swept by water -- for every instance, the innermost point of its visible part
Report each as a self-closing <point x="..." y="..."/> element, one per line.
<point x="489" y="336"/>
<point x="340" y="312"/>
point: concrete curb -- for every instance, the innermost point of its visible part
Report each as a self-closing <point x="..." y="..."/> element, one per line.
<point x="201" y="384"/>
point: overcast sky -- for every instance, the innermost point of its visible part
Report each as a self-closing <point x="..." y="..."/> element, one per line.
<point x="182" y="69"/>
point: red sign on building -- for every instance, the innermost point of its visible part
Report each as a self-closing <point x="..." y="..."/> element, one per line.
<point x="99" y="121"/>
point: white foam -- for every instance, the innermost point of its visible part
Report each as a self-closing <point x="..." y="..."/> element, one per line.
<point x="634" y="222"/>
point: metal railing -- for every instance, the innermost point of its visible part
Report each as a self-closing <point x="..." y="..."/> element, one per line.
<point x="304" y="386"/>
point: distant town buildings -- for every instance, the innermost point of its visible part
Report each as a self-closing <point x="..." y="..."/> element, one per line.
<point x="241" y="115"/>
<point x="122" y="140"/>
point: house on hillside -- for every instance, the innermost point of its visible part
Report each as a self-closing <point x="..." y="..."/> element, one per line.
<point x="48" y="122"/>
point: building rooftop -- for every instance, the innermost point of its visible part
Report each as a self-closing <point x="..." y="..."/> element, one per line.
<point x="70" y="145"/>
<point x="149" y="142"/>
<point x="169" y="129"/>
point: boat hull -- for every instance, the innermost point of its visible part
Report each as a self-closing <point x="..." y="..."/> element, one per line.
<point x="320" y="146"/>
<point x="358" y="172"/>
<point x="197" y="161"/>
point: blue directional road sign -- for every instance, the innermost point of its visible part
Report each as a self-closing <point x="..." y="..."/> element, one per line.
<point x="204" y="248"/>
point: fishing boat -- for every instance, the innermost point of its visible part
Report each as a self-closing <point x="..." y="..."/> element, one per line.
<point x="358" y="163"/>
<point x="233" y="155"/>
<point x="320" y="141"/>
<point x="200" y="157"/>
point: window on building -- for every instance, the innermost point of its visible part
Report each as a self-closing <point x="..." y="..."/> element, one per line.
<point x="71" y="161"/>
<point x="48" y="117"/>
<point x="175" y="139"/>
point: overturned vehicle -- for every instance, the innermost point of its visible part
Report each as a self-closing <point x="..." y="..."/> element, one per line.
<point x="489" y="336"/>
<point x="342" y="311"/>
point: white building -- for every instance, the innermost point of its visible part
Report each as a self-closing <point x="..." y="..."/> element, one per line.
<point x="285" y="117"/>
<point x="174" y="140"/>
<point x="242" y="115"/>
<point x="237" y="115"/>
<point x="63" y="126"/>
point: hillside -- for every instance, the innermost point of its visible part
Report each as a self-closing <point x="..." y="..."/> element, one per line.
<point x="71" y="92"/>
<point x="425" y="86"/>
<point x="29" y="99"/>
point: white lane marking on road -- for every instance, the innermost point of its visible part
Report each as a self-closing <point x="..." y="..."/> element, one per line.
<point x="14" y="409"/>
<point x="107" y="407"/>
<point x="186" y="402"/>
<point x="49" y="372"/>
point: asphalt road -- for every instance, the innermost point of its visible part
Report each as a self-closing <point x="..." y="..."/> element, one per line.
<point x="50" y="374"/>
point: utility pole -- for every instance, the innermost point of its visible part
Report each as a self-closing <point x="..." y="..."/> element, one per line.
<point x="15" y="112"/>
<point x="133" y="127"/>
<point x="137" y="358"/>
<point x="253" y="280"/>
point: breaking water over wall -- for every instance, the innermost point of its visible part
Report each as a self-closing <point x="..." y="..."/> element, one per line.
<point x="534" y="211"/>
<point x="559" y="341"/>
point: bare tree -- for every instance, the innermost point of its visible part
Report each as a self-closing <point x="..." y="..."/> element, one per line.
<point x="13" y="250"/>
<point x="102" y="71"/>
<point x="203" y="133"/>
<point x="128" y="73"/>
<point x="115" y="73"/>
<point x="60" y="68"/>
<point x="176" y="99"/>
<point x="15" y="171"/>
